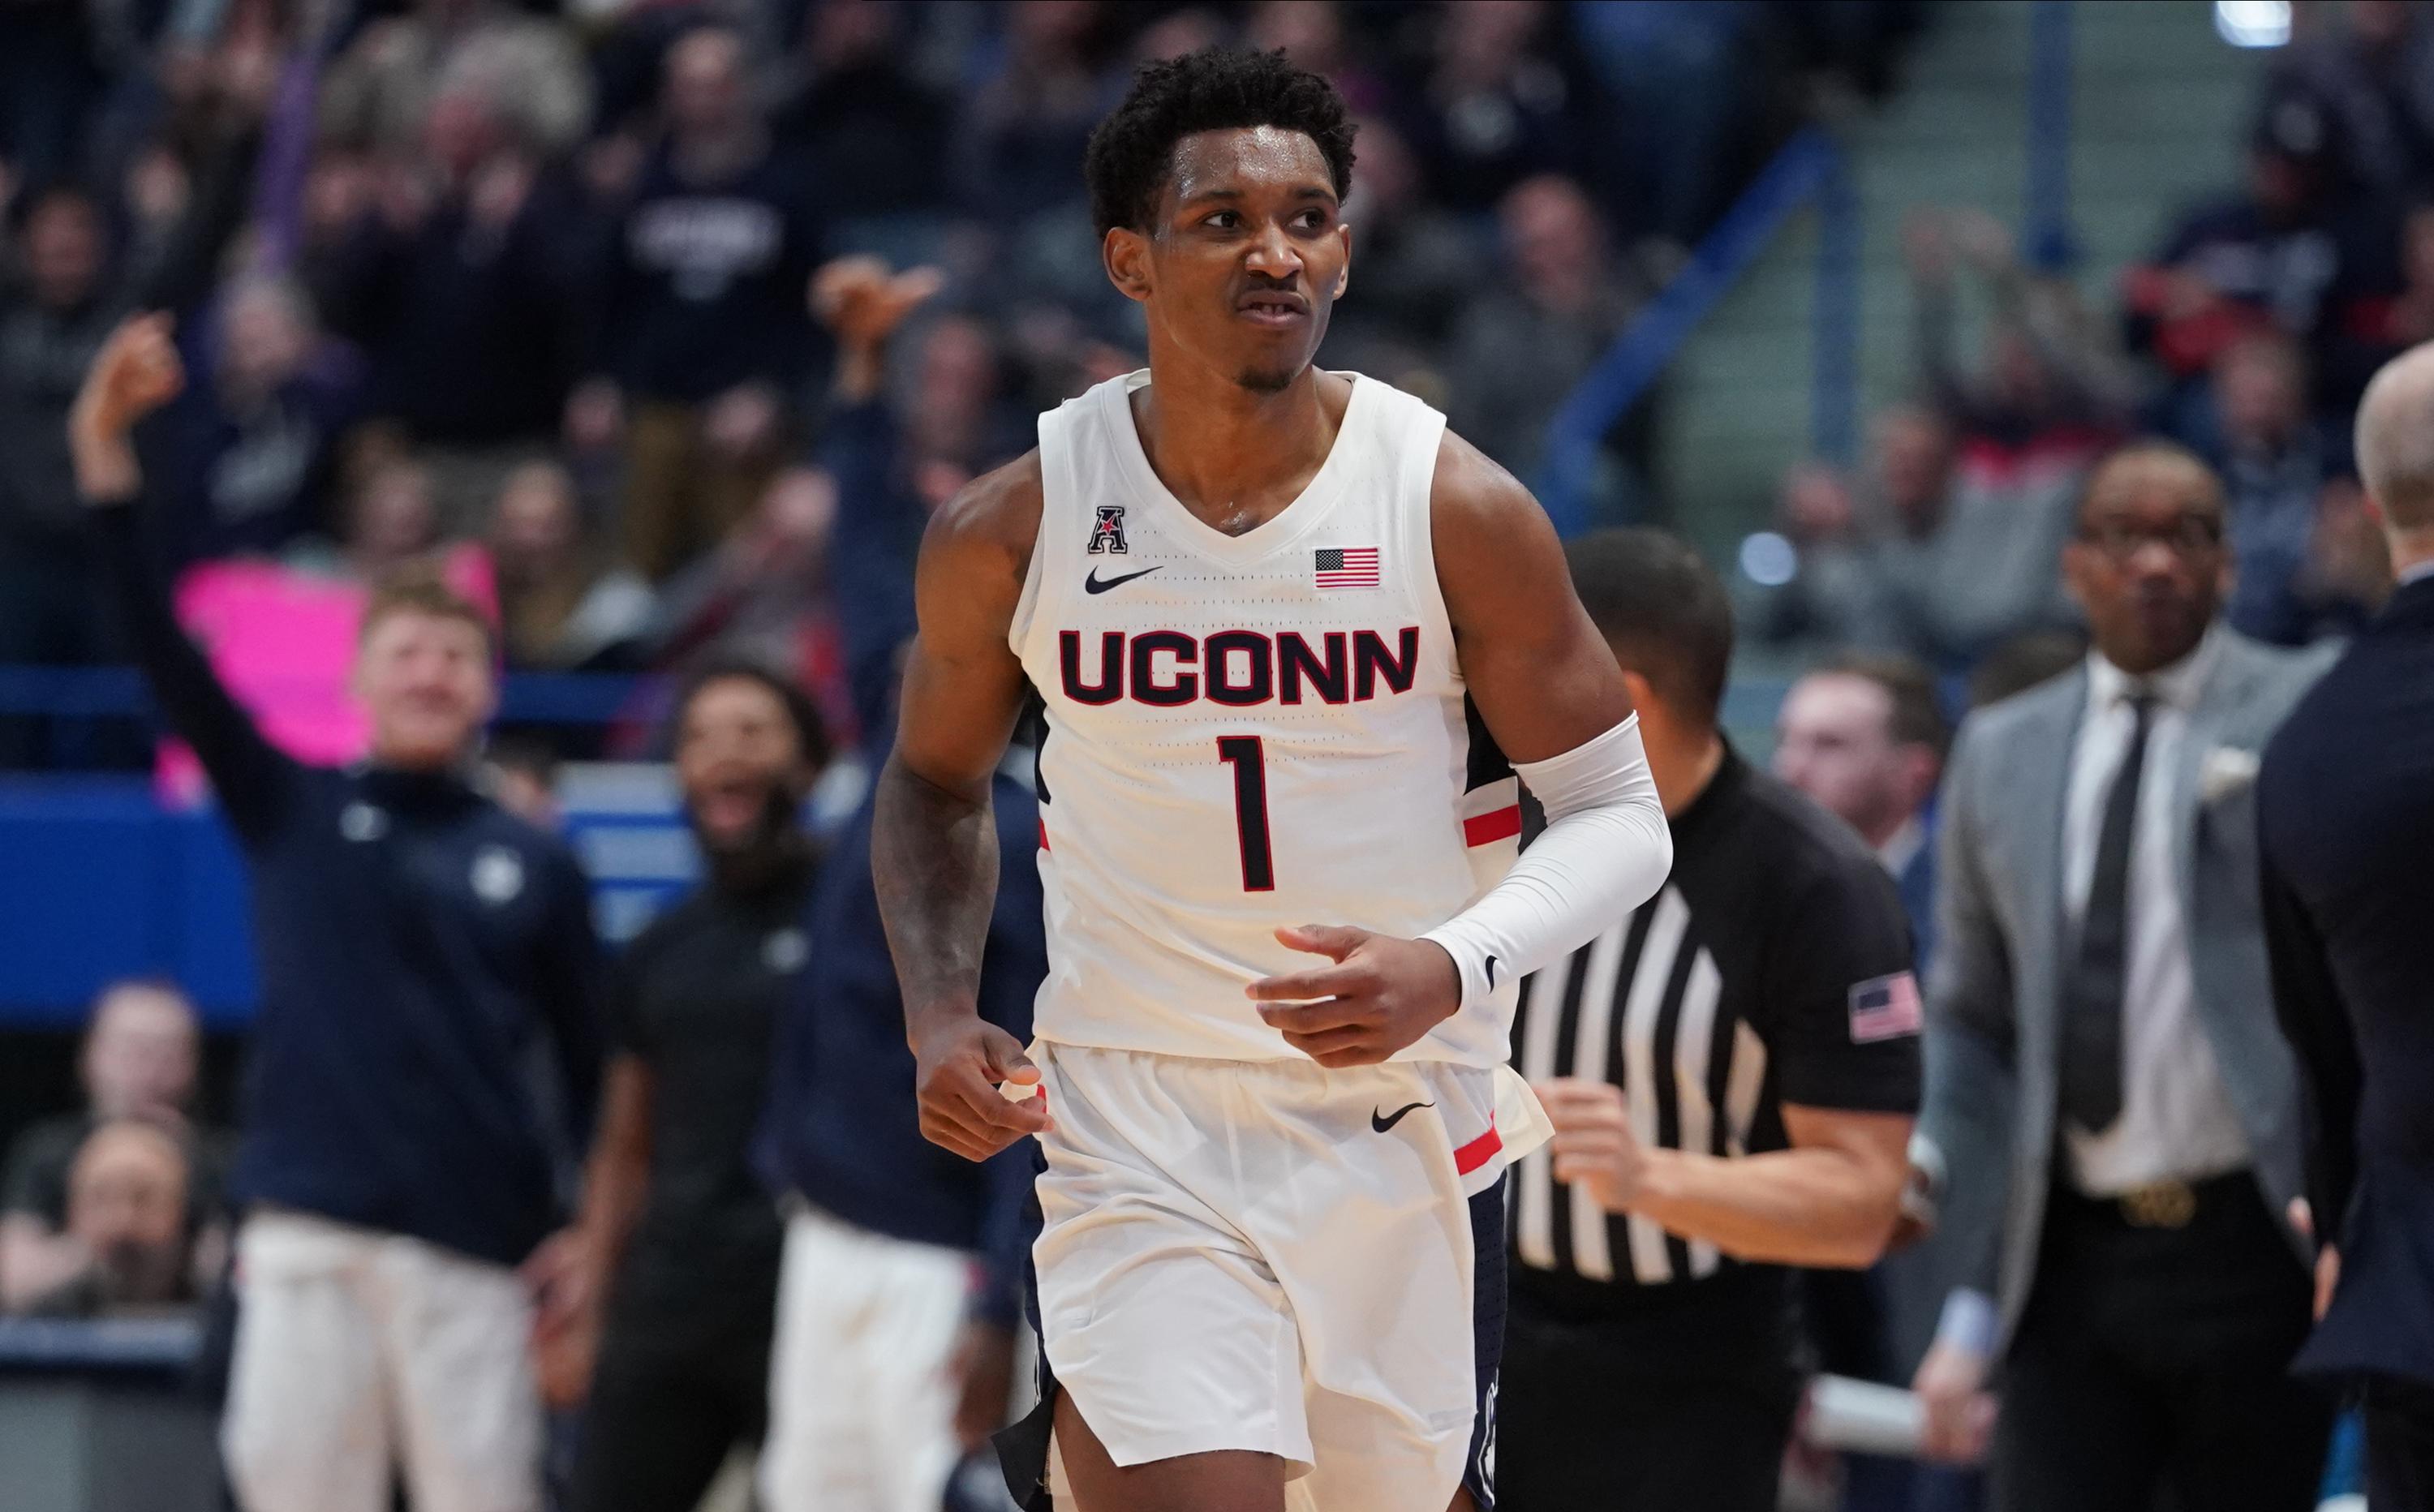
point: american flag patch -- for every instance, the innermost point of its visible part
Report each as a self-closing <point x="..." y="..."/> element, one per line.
<point x="1347" y="567"/>
<point x="1885" y="1007"/>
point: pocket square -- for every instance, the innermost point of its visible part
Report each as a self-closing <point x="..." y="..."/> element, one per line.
<point x="2227" y="769"/>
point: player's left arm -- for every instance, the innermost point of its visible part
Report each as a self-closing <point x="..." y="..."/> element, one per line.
<point x="1548" y="687"/>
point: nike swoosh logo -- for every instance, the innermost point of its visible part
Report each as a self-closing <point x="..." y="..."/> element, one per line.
<point x="1491" y="973"/>
<point x="1095" y="584"/>
<point x="1382" y="1122"/>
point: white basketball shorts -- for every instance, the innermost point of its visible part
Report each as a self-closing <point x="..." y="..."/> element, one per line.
<point x="1271" y="1255"/>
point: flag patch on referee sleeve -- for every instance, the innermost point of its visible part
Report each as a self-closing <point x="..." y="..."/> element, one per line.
<point x="1885" y="1007"/>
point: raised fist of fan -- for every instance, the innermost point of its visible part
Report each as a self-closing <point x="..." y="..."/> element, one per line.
<point x="1379" y="995"/>
<point x="136" y="373"/>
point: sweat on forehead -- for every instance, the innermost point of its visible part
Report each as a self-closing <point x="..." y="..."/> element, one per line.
<point x="1248" y="158"/>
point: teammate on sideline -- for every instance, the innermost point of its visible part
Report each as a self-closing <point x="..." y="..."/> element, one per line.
<point x="426" y="1056"/>
<point x="1283" y="626"/>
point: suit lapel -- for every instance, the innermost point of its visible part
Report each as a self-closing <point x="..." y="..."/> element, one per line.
<point x="2042" y="790"/>
<point x="2220" y="702"/>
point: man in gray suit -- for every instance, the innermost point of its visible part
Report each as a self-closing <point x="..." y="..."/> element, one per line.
<point x="2102" y="1044"/>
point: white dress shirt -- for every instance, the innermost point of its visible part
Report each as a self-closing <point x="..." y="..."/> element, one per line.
<point x="2177" y="1121"/>
<point x="1902" y="846"/>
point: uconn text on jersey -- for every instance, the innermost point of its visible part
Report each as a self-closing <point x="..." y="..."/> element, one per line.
<point x="1238" y="668"/>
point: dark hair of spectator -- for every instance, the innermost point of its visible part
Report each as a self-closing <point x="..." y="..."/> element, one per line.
<point x="810" y="732"/>
<point x="1664" y="611"/>
<point x="418" y="588"/>
<point x="1217" y="89"/>
<point x="1918" y="716"/>
<point x="2022" y="662"/>
<point x="2151" y="448"/>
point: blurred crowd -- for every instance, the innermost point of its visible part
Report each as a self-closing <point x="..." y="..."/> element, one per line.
<point x="534" y="289"/>
<point x="2247" y="335"/>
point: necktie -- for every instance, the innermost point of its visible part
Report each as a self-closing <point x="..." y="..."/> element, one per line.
<point x="2091" y="1025"/>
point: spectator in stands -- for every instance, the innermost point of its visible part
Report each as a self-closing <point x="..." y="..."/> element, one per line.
<point x="766" y="591"/>
<point x="391" y="521"/>
<point x="2279" y="254"/>
<point x="1026" y="126"/>
<point x="457" y="287"/>
<point x="2274" y="460"/>
<point x="872" y="131"/>
<point x="2370" y="77"/>
<point x="1494" y="110"/>
<point x="1419" y="263"/>
<point x="521" y="67"/>
<point x="678" y="1242"/>
<point x="141" y="1053"/>
<point x="562" y="605"/>
<point x="704" y="339"/>
<point x="54" y="317"/>
<point x="1522" y="345"/>
<point x="1864" y="736"/>
<point x="1878" y="572"/>
<point x="254" y="446"/>
<point x="2048" y="385"/>
<point x="426" y="1054"/>
<point x="2102" y="1047"/>
<point x="129" y="1205"/>
<point x="1314" y="34"/>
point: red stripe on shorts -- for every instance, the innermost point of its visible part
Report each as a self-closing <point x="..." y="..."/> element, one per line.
<point x="1043" y="834"/>
<point x="1478" y="1151"/>
<point x="1483" y="829"/>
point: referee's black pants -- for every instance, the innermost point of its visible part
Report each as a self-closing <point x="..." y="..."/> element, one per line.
<point x="2153" y="1363"/>
<point x="1682" y="1403"/>
<point x="669" y="1402"/>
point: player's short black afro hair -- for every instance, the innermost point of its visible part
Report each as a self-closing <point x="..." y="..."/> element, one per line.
<point x="1216" y="88"/>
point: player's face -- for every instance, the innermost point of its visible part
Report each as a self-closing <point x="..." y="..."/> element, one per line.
<point x="2149" y="564"/>
<point x="1833" y="742"/>
<point x="739" y="761"/>
<point x="426" y="681"/>
<point x="1247" y="255"/>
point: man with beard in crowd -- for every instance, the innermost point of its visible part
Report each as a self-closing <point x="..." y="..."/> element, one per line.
<point x="675" y="1271"/>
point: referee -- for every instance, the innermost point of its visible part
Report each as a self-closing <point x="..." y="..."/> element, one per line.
<point x="1731" y="1072"/>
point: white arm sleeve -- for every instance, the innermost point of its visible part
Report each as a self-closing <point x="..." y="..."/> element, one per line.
<point x="1604" y="852"/>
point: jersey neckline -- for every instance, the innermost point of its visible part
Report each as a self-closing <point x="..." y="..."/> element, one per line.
<point x="1272" y="535"/>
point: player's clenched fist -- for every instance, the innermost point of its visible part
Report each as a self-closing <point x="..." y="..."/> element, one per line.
<point x="1380" y="994"/>
<point x="1594" y="1145"/>
<point x="957" y="1074"/>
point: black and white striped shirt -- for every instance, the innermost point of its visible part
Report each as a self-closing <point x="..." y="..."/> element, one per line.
<point x="1773" y="968"/>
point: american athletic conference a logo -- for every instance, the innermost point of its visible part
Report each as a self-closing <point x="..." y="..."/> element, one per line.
<point x="1107" y="531"/>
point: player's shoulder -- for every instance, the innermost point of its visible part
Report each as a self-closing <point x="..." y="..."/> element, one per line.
<point x="1469" y="487"/>
<point x="992" y="519"/>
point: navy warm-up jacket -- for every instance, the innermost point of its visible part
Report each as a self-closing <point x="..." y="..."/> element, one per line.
<point x="426" y="1056"/>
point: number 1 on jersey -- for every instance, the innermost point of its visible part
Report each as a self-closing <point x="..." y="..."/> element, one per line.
<point x="1243" y="752"/>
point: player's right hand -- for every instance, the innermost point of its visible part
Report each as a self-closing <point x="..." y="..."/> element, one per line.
<point x="957" y="1071"/>
<point x="136" y="372"/>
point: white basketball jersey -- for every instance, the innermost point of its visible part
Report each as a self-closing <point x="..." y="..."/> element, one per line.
<point x="1245" y="732"/>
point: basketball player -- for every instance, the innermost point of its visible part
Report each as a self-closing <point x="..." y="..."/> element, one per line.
<point x="1282" y="626"/>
